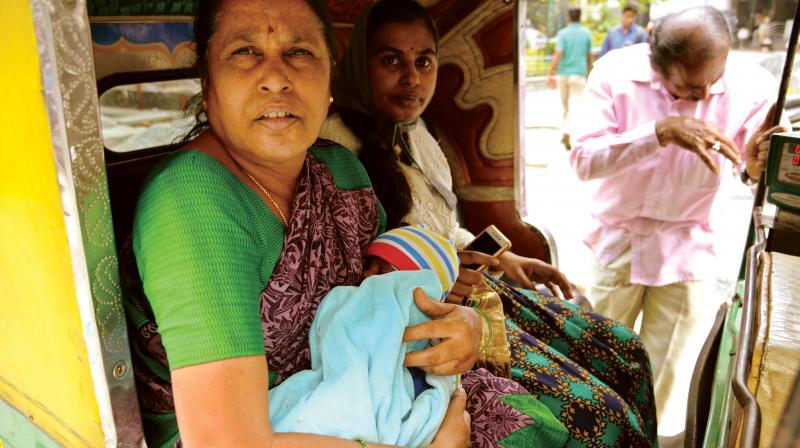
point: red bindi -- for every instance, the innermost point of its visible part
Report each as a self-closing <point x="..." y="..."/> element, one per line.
<point x="270" y="29"/>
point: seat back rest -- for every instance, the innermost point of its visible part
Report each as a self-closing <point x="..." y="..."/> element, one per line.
<point x="475" y="113"/>
<point x="125" y="180"/>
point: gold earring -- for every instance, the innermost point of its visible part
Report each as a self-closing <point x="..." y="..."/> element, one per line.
<point x="330" y="100"/>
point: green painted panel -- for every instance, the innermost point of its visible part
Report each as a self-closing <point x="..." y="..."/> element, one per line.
<point x="17" y="431"/>
<point x="718" y="426"/>
<point x="141" y="7"/>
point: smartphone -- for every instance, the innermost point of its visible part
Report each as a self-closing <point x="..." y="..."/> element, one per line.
<point x="491" y="242"/>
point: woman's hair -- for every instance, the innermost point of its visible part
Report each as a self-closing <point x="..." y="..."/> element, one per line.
<point x="205" y="23"/>
<point x="376" y="135"/>
<point x="386" y="12"/>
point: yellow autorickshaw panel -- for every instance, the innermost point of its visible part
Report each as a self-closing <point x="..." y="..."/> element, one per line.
<point x="44" y="370"/>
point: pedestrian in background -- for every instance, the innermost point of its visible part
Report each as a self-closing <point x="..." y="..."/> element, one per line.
<point x="571" y="62"/>
<point x="626" y="33"/>
<point x="659" y="125"/>
<point x="761" y="35"/>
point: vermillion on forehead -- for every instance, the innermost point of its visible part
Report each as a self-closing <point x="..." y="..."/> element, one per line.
<point x="237" y="16"/>
<point x="267" y="93"/>
<point x="421" y="43"/>
<point x="401" y="66"/>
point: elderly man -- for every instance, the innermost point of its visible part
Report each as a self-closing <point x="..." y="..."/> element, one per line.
<point x="660" y="125"/>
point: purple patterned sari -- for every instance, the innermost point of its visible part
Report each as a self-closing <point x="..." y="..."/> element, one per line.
<point x="327" y="236"/>
<point x="323" y="248"/>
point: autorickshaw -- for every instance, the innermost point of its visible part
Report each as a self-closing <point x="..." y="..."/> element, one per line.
<point x="93" y="94"/>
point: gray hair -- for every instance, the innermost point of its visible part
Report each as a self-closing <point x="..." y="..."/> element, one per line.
<point x="693" y="34"/>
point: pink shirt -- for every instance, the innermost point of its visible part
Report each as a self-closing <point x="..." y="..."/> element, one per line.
<point x="657" y="200"/>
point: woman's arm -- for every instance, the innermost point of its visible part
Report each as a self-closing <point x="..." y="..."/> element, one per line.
<point x="527" y="271"/>
<point x="225" y="404"/>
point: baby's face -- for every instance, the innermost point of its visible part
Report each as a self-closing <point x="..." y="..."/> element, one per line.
<point x="377" y="266"/>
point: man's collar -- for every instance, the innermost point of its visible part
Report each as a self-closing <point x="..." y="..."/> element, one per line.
<point x="643" y="72"/>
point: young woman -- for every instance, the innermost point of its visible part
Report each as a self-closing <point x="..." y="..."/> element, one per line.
<point x="593" y="373"/>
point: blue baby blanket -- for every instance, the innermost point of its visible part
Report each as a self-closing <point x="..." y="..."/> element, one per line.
<point x="357" y="387"/>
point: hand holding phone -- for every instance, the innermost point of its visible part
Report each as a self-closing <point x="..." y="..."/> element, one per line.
<point x="490" y="242"/>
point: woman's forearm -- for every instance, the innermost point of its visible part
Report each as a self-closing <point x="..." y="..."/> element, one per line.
<point x="299" y="440"/>
<point x="225" y="403"/>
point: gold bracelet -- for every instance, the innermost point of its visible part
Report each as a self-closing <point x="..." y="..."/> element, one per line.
<point x="362" y="443"/>
<point x="486" y="335"/>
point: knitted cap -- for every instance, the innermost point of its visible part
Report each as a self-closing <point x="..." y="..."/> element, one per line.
<point x="411" y="248"/>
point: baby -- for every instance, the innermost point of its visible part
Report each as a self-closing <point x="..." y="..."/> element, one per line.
<point x="357" y="387"/>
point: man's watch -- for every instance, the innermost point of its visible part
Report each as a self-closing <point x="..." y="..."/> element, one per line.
<point x="746" y="179"/>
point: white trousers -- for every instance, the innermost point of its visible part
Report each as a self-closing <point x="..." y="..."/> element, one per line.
<point x="676" y="320"/>
<point x="570" y="86"/>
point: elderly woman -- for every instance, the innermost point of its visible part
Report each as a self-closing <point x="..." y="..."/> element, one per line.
<point x="593" y="373"/>
<point x="238" y="236"/>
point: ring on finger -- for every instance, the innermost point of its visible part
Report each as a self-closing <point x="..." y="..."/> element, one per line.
<point x="717" y="146"/>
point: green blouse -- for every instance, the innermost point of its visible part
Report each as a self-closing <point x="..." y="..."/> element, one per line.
<point x="206" y="246"/>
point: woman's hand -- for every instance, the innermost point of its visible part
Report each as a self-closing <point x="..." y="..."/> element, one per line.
<point x="455" y="428"/>
<point x="468" y="278"/>
<point x="458" y="327"/>
<point x="525" y="271"/>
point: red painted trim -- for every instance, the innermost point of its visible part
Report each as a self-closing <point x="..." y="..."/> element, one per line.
<point x="463" y="128"/>
<point x="496" y="39"/>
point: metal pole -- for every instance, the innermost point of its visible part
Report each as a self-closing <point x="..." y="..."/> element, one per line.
<point x="787" y="74"/>
<point x="751" y="424"/>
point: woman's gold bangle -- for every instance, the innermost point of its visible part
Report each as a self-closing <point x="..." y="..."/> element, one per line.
<point x="362" y="443"/>
<point x="486" y="335"/>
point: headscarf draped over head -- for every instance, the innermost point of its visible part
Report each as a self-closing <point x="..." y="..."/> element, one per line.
<point x="412" y="248"/>
<point x="385" y="148"/>
<point x="351" y="88"/>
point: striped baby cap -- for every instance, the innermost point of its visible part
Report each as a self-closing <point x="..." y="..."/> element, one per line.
<point x="411" y="248"/>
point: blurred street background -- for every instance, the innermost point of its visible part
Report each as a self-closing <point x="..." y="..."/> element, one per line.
<point x="555" y="198"/>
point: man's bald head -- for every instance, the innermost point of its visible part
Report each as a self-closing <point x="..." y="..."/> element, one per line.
<point x="690" y="48"/>
<point x="689" y="37"/>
